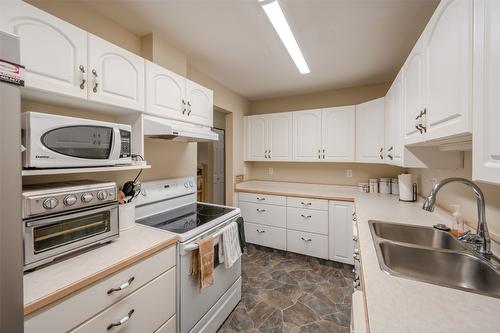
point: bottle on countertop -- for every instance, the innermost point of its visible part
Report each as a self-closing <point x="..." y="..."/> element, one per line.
<point x="457" y="227"/>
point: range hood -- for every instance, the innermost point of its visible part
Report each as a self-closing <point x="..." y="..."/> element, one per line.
<point x="155" y="127"/>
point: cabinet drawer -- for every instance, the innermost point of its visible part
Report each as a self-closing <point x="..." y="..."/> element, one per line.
<point x="168" y="327"/>
<point x="265" y="235"/>
<point x="264" y="214"/>
<point x="307" y="243"/>
<point x="308" y="220"/>
<point x="307" y="203"/>
<point x="147" y="308"/>
<point x="262" y="198"/>
<point x="78" y="307"/>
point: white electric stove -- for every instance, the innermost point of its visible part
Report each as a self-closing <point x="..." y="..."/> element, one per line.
<point x="171" y="205"/>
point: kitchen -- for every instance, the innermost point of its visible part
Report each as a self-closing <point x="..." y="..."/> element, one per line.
<point x="405" y="110"/>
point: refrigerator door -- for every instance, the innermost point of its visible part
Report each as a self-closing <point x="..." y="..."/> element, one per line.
<point x="11" y="246"/>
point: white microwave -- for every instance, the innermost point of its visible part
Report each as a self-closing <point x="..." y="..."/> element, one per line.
<point x="53" y="141"/>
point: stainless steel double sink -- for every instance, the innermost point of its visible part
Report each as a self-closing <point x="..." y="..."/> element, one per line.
<point x="433" y="256"/>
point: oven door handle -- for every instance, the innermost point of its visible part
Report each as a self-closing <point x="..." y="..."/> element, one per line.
<point x="194" y="246"/>
<point x="44" y="220"/>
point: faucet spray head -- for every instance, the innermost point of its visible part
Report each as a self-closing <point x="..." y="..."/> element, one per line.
<point x="429" y="203"/>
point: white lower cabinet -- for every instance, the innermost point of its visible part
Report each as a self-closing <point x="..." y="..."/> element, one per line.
<point x="264" y="214"/>
<point x="265" y="235"/>
<point x="340" y="234"/>
<point x="307" y="243"/>
<point x="168" y="327"/>
<point x="301" y="219"/>
<point x="141" y="284"/>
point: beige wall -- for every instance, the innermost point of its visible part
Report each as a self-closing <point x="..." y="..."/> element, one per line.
<point x="339" y="97"/>
<point x="162" y="53"/>
<point x="325" y="173"/>
<point x="460" y="194"/>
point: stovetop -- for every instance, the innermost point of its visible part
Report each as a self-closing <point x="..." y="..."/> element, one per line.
<point x="185" y="218"/>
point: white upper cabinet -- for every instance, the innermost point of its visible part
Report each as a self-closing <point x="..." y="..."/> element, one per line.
<point x="486" y="137"/>
<point x="200" y="104"/>
<point x="448" y="70"/>
<point x="279" y="136"/>
<point x="393" y="139"/>
<point x="116" y="76"/>
<point x="165" y="92"/>
<point x="413" y="101"/>
<point x="53" y="51"/>
<point x="370" y="131"/>
<point x="256" y="136"/>
<point x="307" y="135"/>
<point x="338" y="134"/>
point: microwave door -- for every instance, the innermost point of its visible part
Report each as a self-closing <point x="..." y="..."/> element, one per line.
<point x="115" y="145"/>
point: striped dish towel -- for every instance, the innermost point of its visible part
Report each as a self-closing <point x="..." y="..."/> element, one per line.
<point x="229" y="245"/>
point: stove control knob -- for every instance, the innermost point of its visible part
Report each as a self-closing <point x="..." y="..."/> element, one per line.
<point x="186" y="185"/>
<point x="50" y="203"/>
<point x="191" y="184"/>
<point x="70" y="200"/>
<point x="87" y="197"/>
<point x="102" y="195"/>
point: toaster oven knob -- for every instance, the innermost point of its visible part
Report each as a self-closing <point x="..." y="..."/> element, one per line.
<point x="70" y="200"/>
<point x="87" y="197"/>
<point x="50" y="203"/>
<point x="102" y="195"/>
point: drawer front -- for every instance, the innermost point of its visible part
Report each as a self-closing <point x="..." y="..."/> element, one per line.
<point x="78" y="307"/>
<point x="264" y="214"/>
<point x="168" y="327"/>
<point x="265" y="235"/>
<point x="307" y="203"/>
<point x="308" y="220"/>
<point x="262" y="198"/>
<point x="146" y="309"/>
<point x="306" y="243"/>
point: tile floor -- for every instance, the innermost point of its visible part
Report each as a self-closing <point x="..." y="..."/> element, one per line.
<point x="290" y="293"/>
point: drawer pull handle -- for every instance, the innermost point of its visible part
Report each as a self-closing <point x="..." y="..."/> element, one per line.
<point x="306" y="203"/>
<point x="353" y="214"/>
<point x="355" y="257"/>
<point x="260" y="231"/>
<point x="261" y="199"/>
<point x="123" y="286"/>
<point x="122" y="321"/>
<point x="306" y="240"/>
<point x="306" y="216"/>
<point x="260" y="210"/>
<point x="355" y="238"/>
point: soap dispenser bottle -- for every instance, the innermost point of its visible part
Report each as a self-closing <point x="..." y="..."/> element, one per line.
<point x="458" y="227"/>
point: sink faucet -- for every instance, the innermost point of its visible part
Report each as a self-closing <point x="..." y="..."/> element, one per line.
<point x="481" y="239"/>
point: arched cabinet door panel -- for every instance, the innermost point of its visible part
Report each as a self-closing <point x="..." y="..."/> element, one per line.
<point x="200" y="104"/>
<point x="116" y="76"/>
<point x="54" y="52"/>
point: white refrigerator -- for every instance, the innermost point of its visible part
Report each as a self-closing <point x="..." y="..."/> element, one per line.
<point x="11" y="238"/>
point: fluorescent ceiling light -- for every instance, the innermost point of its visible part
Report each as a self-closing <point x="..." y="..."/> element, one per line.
<point x="277" y="18"/>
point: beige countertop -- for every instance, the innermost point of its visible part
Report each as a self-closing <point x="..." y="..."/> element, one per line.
<point x="54" y="282"/>
<point x="397" y="304"/>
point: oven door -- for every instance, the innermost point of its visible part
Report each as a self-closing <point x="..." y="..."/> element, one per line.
<point x="50" y="237"/>
<point x="194" y="304"/>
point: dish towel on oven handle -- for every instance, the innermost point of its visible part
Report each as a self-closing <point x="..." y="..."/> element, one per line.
<point x="229" y="245"/>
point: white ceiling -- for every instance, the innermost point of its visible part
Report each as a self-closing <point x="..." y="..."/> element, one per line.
<point x="346" y="43"/>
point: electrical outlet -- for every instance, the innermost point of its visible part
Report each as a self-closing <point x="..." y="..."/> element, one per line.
<point x="349" y="173"/>
<point x="270" y="171"/>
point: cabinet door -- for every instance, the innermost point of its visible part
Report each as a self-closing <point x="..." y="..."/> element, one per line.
<point x="338" y="134"/>
<point x="52" y="50"/>
<point x="486" y="136"/>
<point x="393" y="132"/>
<point x="307" y="135"/>
<point x="370" y="131"/>
<point x="165" y="92"/>
<point x="116" y="75"/>
<point x="413" y="94"/>
<point x="279" y="136"/>
<point x="448" y="69"/>
<point x="340" y="242"/>
<point x="256" y="136"/>
<point x="200" y="104"/>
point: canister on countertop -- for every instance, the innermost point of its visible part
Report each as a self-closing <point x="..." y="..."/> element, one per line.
<point x="385" y="185"/>
<point x="373" y="185"/>
<point x="395" y="186"/>
<point x="363" y="188"/>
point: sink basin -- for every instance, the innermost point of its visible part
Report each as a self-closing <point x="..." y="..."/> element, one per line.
<point x="417" y="235"/>
<point x="446" y="268"/>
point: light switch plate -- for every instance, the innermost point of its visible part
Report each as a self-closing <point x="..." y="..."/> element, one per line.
<point x="349" y="173"/>
<point x="270" y="171"/>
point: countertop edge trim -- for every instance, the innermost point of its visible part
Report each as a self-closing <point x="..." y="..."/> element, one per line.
<point x="87" y="281"/>
<point x="299" y="195"/>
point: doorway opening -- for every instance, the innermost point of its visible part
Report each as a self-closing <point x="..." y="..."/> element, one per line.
<point x="211" y="170"/>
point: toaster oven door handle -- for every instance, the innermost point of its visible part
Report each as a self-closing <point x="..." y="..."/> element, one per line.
<point x="43" y="220"/>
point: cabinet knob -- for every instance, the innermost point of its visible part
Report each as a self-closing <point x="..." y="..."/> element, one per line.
<point x="307" y="240"/>
<point x="83" y="77"/>
<point x="260" y="210"/>
<point x="122" y="321"/>
<point x="96" y="80"/>
<point x="381" y="153"/>
<point x="123" y="286"/>
<point x="306" y="216"/>
<point x="260" y="231"/>
<point x="305" y="203"/>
